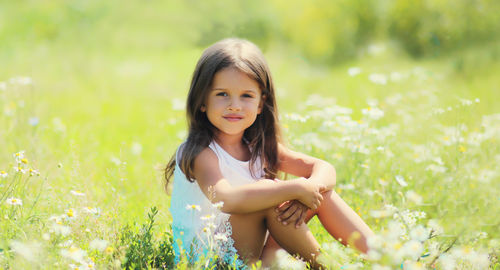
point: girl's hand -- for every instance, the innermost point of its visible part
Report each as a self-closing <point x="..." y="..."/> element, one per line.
<point x="292" y="212"/>
<point x="311" y="194"/>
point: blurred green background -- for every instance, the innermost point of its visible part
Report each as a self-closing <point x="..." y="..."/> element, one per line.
<point x="110" y="79"/>
<point x="111" y="70"/>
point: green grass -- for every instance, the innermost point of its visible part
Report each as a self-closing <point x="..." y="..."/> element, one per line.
<point x="97" y="103"/>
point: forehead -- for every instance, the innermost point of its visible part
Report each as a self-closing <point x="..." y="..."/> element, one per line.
<point x="234" y="79"/>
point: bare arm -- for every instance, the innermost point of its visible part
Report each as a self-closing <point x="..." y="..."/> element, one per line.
<point x="314" y="169"/>
<point x="251" y="197"/>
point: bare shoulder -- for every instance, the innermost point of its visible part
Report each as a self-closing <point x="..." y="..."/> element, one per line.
<point x="296" y="163"/>
<point x="206" y="167"/>
<point x="285" y="154"/>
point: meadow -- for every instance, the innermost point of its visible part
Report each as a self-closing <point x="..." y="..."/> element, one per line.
<point x="87" y="125"/>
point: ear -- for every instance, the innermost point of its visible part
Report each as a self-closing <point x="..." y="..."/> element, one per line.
<point x="203" y="108"/>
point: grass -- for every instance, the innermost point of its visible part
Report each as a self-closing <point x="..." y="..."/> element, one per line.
<point x="104" y="121"/>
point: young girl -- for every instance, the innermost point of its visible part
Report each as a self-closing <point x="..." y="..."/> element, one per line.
<point x="231" y="158"/>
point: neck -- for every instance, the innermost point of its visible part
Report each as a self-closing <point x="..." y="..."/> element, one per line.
<point x="229" y="140"/>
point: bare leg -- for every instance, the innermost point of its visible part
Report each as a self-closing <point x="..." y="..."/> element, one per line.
<point x="342" y="222"/>
<point x="337" y="218"/>
<point x="249" y="231"/>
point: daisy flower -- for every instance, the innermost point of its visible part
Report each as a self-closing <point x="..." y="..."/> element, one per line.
<point x="19" y="156"/>
<point x="34" y="172"/>
<point x="14" y="201"/>
<point x="20" y="169"/>
<point x="193" y="207"/>
<point x="77" y="193"/>
<point x="3" y="174"/>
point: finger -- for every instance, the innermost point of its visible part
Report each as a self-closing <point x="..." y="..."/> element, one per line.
<point x="283" y="206"/>
<point x="300" y="220"/>
<point x="288" y="213"/>
<point x="293" y="218"/>
<point x="313" y="206"/>
<point x="285" y="212"/>
<point x="322" y="188"/>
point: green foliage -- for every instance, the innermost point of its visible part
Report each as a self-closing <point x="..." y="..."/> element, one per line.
<point x="436" y="27"/>
<point x="144" y="251"/>
<point x="322" y="31"/>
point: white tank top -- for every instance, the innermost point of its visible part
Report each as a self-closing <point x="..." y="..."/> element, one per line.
<point x="189" y="223"/>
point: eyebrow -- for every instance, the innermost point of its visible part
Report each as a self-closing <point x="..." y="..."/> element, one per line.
<point x="246" y="90"/>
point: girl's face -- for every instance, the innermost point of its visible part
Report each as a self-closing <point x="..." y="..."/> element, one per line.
<point x="233" y="103"/>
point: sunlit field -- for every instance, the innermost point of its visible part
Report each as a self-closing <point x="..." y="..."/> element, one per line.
<point x="86" y="131"/>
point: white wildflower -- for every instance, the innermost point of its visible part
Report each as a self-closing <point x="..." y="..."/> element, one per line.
<point x="353" y="71"/>
<point x="206" y="230"/>
<point x="115" y="160"/>
<point x="436" y="168"/>
<point x="397" y="76"/>
<point x="481" y="235"/>
<point x="374" y="255"/>
<point x="66" y="243"/>
<point x="220" y="237"/>
<point x="136" y="148"/>
<point x="34" y="172"/>
<point x="380" y="267"/>
<point x="375" y="242"/>
<point x="419" y="233"/>
<point x="373" y="113"/>
<point x="3" y="174"/>
<point x="192" y="207"/>
<point x="60" y="229"/>
<point x="20" y="169"/>
<point x="30" y="251"/>
<point x="479" y="260"/>
<point x="92" y="210"/>
<point x="485" y="176"/>
<point x="178" y="104"/>
<point x="46" y="237"/>
<point x="382" y="182"/>
<point x="211" y="225"/>
<point x="395" y="229"/>
<point x="285" y="261"/>
<point x="207" y="217"/>
<point x="378" y="78"/>
<point x="19" y="156"/>
<point x="410" y="265"/>
<point x="74" y="253"/>
<point x="466" y="102"/>
<point x="380" y="213"/>
<point x="77" y="193"/>
<point x="14" y="201"/>
<point x="98" y="244"/>
<point x="447" y="261"/>
<point x="414" y="197"/>
<point x="33" y="121"/>
<point x="297" y="117"/>
<point x="218" y="205"/>
<point x="401" y="180"/>
<point x="413" y="249"/>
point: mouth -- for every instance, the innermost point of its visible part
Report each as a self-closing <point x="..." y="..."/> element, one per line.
<point x="233" y="118"/>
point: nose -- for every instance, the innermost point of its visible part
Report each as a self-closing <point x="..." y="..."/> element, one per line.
<point x="234" y="105"/>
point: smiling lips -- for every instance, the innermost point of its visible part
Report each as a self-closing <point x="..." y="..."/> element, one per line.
<point x="233" y="117"/>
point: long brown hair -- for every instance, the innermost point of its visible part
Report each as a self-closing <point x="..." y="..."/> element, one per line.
<point x="262" y="136"/>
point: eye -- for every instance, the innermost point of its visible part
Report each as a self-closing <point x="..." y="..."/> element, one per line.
<point x="247" y="96"/>
<point x="222" y="94"/>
